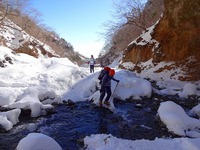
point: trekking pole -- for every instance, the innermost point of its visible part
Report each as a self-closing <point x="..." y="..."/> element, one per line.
<point x="114" y="90"/>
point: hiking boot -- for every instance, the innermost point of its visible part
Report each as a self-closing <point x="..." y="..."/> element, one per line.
<point x="100" y="103"/>
<point x="107" y="103"/>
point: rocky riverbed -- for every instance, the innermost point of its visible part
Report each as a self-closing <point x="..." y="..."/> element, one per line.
<point x="71" y="122"/>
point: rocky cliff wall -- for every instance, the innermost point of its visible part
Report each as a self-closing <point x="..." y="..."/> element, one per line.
<point x="175" y="38"/>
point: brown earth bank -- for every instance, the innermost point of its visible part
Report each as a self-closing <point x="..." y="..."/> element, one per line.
<point x="178" y="36"/>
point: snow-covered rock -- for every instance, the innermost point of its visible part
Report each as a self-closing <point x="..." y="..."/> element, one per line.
<point x="195" y="111"/>
<point x="177" y="121"/>
<point x="188" y="90"/>
<point x="38" y="141"/>
<point x="9" y="118"/>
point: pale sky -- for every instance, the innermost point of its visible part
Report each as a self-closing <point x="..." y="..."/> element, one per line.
<point x="77" y="21"/>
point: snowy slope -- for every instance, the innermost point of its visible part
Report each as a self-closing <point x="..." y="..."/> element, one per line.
<point x="14" y="37"/>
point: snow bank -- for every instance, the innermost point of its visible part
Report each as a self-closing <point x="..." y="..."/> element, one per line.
<point x="177" y="121"/>
<point x="5" y="52"/>
<point x="29" y="100"/>
<point x="108" y="142"/>
<point x="9" y="118"/>
<point x="83" y="89"/>
<point x="129" y="86"/>
<point x="38" y="141"/>
<point x="31" y="83"/>
<point x="181" y="88"/>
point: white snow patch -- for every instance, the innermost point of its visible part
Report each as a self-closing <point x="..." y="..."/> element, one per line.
<point x="9" y="118"/>
<point x="177" y="121"/>
<point x="38" y="141"/>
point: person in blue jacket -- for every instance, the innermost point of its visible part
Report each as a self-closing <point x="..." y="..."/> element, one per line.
<point x="102" y="73"/>
<point x="106" y="87"/>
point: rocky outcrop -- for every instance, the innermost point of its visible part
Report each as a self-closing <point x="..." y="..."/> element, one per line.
<point x="174" y="39"/>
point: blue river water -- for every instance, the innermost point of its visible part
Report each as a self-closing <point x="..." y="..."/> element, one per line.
<point x="70" y="124"/>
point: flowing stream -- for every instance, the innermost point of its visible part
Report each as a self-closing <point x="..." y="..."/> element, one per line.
<point x="70" y="124"/>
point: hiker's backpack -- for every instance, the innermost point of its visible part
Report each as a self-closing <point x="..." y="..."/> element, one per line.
<point x="111" y="72"/>
<point x="103" y="72"/>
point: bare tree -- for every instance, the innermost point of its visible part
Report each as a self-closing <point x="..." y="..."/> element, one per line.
<point x="137" y="13"/>
<point x="131" y="12"/>
<point x="14" y="9"/>
<point x="132" y="17"/>
<point x="127" y="12"/>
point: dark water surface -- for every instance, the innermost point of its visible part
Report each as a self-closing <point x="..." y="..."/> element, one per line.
<point x="70" y="124"/>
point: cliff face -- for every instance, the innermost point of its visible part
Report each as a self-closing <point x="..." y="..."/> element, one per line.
<point x="175" y="39"/>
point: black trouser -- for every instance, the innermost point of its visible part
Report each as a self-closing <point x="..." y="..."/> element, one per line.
<point x="91" y="68"/>
<point x="105" y="90"/>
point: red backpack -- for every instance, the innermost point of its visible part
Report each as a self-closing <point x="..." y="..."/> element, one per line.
<point x="103" y="72"/>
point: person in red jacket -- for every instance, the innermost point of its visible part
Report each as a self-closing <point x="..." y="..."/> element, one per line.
<point x="106" y="87"/>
